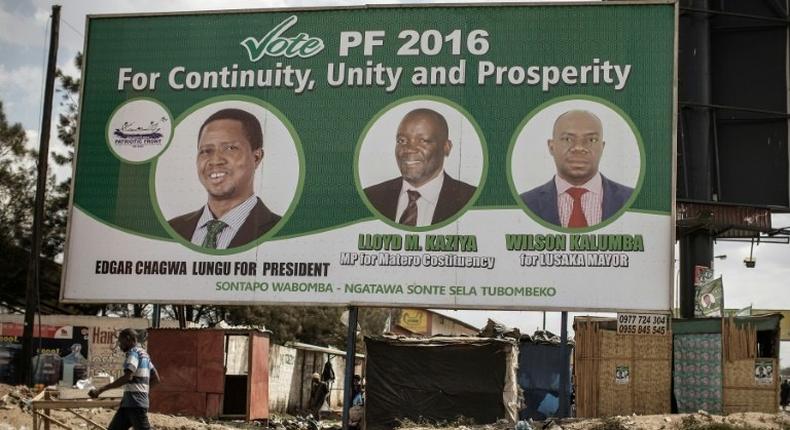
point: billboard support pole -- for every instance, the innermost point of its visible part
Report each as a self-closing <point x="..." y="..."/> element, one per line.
<point x="351" y="345"/>
<point x="155" y="316"/>
<point x="33" y="273"/>
<point x="696" y="249"/>
<point x="565" y="367"/>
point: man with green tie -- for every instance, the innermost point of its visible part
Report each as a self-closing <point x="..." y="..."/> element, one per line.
<point x="229" y="150"/>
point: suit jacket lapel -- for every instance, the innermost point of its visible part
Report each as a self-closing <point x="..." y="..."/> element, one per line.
<point x="609" y="191"/>
<point x="186" y="225"/>
<point x="442" y="204"/>
<point x="259" y="216"/>
<point x="389" y="205"/>
<point x="549" y="209"/>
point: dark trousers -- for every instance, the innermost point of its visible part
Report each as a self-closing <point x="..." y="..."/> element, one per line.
<point x="136" y="418"/>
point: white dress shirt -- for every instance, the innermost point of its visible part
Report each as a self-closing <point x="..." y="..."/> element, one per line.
<point x="592" y="200"/>
<point x="426" y="204"/>
<point x="234" y="218"/>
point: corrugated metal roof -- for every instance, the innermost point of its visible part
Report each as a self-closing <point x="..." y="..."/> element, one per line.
<point x="325" y="350"/>
<point x="723" y="220"/>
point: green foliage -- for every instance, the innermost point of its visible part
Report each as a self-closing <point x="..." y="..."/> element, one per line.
<point x="17" y="183"/>
<point x="67" y="120"/>
<point x="315" y="325"/>
<point x="18" y="178"/>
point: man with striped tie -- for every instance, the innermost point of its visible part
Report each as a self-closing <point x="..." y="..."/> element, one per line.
<point x="425" y="194"/>
<point x="229" y="150"/>
<point x="138" y="374"/>
<point x="578" y="196"/>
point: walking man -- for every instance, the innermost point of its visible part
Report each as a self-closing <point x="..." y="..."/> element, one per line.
<point x="138" y="373"/>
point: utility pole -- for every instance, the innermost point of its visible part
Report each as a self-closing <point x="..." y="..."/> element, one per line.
<point x="564" y="409"/>
<point x="33" y="273"/>
<point x="351" y="352"/>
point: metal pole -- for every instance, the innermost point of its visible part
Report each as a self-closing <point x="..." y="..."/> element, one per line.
<point x="565" y="368"/>
<point x="155" y="316"/>
<point x="351" y="346"/>
<point x="31" y="295"/>
<point x="695" y="71"/>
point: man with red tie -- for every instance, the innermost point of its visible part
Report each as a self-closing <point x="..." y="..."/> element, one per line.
<point x="578" y="196"/>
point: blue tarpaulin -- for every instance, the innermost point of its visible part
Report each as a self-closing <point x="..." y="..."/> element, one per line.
<point x="539" y="367"/>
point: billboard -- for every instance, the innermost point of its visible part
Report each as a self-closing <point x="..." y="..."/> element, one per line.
<point x="443" y="156"/>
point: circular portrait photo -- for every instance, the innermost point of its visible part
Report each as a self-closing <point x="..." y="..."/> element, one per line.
<point x="230" y="174"/>
<point x="576" y="163"/>
<point x="420" y="162"/>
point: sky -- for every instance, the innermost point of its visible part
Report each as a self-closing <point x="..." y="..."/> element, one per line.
<point x="23" y="48"/>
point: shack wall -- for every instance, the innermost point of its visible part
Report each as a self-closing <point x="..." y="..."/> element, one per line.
<point x="99" y="334"/>
<point x="621" y="374"/>
<point x="439" y="381"/>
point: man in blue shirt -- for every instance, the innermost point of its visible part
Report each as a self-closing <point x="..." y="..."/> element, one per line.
<point x="138" y="374"/>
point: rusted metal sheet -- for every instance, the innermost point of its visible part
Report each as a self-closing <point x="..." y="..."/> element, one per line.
<point x="723" y="221"/>
<point x="178" y="402"/>
<point x="174" y="354"/>
<point x="210" y="370"/>
<point x="258" y="382"/>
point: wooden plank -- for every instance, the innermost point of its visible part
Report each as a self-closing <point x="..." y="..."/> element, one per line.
<point x="48" y="419"/>
<point x="88" y="420"/>
<point x="65" y="404"/>
<point x="75" y="394"/>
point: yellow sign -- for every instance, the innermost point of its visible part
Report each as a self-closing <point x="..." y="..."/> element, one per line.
<point x="414" y="320"/>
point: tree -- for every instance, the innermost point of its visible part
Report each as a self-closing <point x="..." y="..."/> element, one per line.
<point x="315" y="325"/>
<point x="67" y="119"/>
<point x="17" y="194"/>
<point x="17" y="182"/>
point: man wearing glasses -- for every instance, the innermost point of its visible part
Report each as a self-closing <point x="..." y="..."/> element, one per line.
<point x="578" y="196"/>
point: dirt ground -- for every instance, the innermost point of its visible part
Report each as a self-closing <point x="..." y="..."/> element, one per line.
<point x="14" y="415"/>
<point x="698" y="421"/>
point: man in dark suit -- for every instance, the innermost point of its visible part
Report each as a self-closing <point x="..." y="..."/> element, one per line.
<point x="424" y="194"/>
<point x="229" y="150"/>
<point x="578" y="195"/>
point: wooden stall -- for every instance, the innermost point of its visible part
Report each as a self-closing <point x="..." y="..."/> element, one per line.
<point x="620" y="374"/>
<point x="742" y="356"/>
<point x="211" y="372"/>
